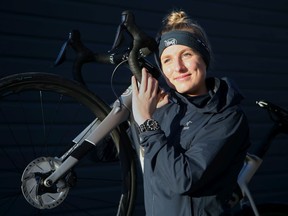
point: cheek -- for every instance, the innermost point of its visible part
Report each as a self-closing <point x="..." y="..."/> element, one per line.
<point x="191" y="65"/>
<point x="197" y="66"/>
<point x="167" y="72"/>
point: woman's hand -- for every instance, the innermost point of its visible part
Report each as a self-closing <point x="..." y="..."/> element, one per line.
<point x="145" y="97"/>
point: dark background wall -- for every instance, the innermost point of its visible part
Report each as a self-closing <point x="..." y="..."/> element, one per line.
<point x="249" y="39"/>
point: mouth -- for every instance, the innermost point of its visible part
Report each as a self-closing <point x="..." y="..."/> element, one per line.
<point x="182" y="77"/>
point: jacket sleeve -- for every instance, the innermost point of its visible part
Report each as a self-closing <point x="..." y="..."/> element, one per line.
<point x="215" y="155"/>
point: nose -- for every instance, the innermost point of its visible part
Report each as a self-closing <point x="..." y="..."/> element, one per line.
<point x="179" y="65"/>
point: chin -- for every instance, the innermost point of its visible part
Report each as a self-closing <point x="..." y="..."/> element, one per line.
<point x="183" y="90"/>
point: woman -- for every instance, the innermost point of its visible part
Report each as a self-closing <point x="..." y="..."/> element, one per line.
<point x="195" y="144"/>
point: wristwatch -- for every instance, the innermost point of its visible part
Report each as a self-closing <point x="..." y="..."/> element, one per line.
<point x="149" y="125"/>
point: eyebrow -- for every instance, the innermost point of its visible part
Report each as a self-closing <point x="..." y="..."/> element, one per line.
<point x="182" y="51"/>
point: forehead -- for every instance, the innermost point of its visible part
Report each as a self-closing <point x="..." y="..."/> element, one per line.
<point x="175" y="50"/>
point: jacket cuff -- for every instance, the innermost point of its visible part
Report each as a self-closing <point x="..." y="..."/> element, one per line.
<point x="146" y="135"/>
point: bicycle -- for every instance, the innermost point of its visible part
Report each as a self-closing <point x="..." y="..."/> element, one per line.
<point x="39" y="174"/>
<point x="50" y="173"/>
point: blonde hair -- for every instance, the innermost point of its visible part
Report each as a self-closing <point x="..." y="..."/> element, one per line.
<point x="175" y="20"/>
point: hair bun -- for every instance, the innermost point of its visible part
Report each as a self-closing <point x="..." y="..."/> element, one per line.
<point x="176" y="17"/>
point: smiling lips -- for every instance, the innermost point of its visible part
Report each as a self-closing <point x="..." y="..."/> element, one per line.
<point x="182" y="77"/>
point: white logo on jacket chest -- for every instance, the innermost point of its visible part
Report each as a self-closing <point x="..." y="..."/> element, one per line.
<point x="186" y="127"/>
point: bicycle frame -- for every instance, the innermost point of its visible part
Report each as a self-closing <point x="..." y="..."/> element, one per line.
<point x="95" y="132"/>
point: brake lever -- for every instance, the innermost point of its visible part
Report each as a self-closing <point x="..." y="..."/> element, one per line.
<point x="276" y="113"/>
<point x="119" y="37"/>
<point x="147" y="44"/>
<point x="74" y="40"/>
<point x="143" y="44"/>
<point x="62" y="54"/>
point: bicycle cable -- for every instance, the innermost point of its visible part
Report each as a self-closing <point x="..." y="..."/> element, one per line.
<point x="111" y="81"/>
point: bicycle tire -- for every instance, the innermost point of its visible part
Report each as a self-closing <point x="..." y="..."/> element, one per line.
<point x="25" y="137"/>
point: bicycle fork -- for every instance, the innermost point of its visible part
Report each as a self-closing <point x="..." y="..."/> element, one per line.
<point x="252" y="163"/>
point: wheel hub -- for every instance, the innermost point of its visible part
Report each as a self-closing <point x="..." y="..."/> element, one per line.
<point x="33" y="188"/>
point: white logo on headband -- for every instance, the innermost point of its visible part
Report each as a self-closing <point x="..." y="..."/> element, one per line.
<point x="170" y="42"/>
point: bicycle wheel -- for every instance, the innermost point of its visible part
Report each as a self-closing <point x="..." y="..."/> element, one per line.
<point x="40" y="115"/>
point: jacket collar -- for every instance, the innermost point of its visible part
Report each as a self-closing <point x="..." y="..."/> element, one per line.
<point x="223" y="93"/>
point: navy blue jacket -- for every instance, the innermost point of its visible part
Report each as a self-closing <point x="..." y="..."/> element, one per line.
<point x="191" y="165"/>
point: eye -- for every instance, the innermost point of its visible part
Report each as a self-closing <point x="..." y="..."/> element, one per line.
<point x="187" y="54"/>
<point x="165" y="60"/>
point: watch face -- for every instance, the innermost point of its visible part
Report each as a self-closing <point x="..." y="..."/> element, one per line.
<point x="152" y="125"/>
<point x="149" y="125"/>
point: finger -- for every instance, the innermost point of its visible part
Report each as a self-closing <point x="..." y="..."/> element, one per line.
<point x="149" y="83"/>
<point x="152" y="85"/>
<point x="162" y="95"/>
<point x="134" y="85"/>
<point x="163" y="101"/>
<point x="143" y="86"/>
<point x="156" y="87"/>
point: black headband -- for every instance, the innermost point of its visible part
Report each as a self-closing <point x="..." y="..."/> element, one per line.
<point x="184" y="38"/>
